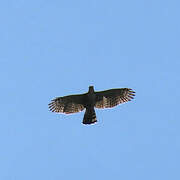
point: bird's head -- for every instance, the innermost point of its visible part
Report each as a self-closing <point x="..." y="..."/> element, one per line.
<point x="91" y="89"/>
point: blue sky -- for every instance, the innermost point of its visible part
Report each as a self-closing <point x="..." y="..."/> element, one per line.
<point x="56" y="48"/>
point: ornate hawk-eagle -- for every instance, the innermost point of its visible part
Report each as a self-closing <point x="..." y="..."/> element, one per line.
<point x="89" y="101"/>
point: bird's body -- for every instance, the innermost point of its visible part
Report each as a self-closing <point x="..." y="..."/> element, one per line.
<point x="89" y="100"/>
<point x="90" y="115"/>
<point x="91" y="97"/>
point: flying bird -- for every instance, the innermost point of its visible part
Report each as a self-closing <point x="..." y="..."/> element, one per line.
<point x="89" y="101"/>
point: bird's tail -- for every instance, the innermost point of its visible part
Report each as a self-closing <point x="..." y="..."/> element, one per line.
<point x="89" y="116"/>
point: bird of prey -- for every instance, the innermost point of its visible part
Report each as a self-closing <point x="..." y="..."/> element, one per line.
<point x="89" y="101"/>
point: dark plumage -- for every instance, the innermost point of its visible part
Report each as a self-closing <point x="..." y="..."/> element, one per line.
<point x="100" y="99"/>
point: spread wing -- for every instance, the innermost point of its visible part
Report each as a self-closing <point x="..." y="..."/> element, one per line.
<point x="67" y="104"/>
<point x="113" y="97"/>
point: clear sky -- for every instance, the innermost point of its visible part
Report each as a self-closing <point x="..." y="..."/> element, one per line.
<point x="53" y="48"/>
